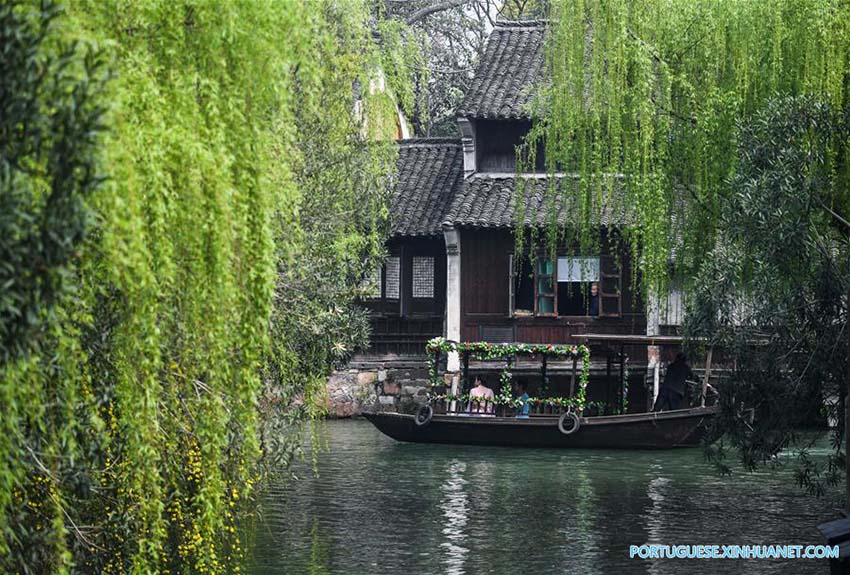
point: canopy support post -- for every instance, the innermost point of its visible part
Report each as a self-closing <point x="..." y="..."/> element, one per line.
<point x="706" y="375"/>
<point x="465" y="384"/>
<point x="622" y="390"/>
<point x="608" y="377"/>
<point x="656" y="380"/>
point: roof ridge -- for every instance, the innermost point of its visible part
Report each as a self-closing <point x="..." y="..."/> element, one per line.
<point x="428" y="142"/>
<point x="533" y="23"/>
<point x="535" y="175"/>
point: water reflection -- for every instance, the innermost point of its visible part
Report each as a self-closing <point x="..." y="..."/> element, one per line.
<point x="454" y="506"/>
<point x="655" y="514"/>
<point x="319" y="552"/>
<point x="381" y="507"/>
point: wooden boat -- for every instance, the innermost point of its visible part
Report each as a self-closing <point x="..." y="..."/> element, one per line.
<point x="653" y="430"/>
<point x="473" y="421"/>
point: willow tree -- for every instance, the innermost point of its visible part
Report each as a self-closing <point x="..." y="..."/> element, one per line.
<point x="650" y="93"/>
<point x="717" y="127"/>
<point x="152" y="225"/>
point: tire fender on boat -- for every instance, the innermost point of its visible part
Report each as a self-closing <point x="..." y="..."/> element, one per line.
<point x="424" y="415"/>
<point x="568" y="423"/>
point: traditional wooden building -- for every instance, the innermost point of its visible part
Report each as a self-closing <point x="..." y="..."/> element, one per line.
<point x="409" y="291"/>
<point x="453" y="270"/>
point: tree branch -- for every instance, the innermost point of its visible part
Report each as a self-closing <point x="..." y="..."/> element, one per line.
<point x="831" y="212"/>
<point x="423" y="13"/>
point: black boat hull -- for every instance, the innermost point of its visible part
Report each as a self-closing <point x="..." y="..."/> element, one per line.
<point x="656" y="430"/>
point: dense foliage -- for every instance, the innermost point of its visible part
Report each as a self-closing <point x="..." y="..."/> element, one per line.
<point x="773" y="292"/>
<point x="145" y="315"/>
<point x="50" y="125"/>
<point x="651" y="92"/>
<point x="720" y="128"/>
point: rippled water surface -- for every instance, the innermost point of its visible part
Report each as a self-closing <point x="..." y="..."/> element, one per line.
<point x="378" y="506"/>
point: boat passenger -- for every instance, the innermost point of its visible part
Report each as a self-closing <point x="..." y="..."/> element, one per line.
<point x="526" y="405"/>
<point x="484" y="395"/>
<point x="673" y="389"/>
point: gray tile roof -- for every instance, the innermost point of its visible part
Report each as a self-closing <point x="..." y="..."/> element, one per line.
<point x="487" y="201"/>
<point x="430" y="174"/>
<point x="431" y="187"/>
<point x="512" y="62"/>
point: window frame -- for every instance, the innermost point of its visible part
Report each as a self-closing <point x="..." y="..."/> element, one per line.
<point x="552" y="280"/>
<point x="380" y="303"/>
<point x="602" y="265"/>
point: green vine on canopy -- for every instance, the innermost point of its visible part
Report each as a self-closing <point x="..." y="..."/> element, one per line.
<point x="588" y="409"/>
<point x="483" y="350"/>
<point x="642" y="103"/>
<point x="505" y="379"/>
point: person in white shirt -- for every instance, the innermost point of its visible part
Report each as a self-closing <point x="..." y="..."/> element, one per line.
<point x="482" y="392"/>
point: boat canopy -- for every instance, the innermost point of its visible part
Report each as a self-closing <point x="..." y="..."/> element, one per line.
<point x="631" y="339"/>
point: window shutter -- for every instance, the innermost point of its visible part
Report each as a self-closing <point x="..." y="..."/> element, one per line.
<point x="511" y="285"/>
<point x="610" y="298"/>
<point x="545" y="288"/>
<point x="496" y="333"/>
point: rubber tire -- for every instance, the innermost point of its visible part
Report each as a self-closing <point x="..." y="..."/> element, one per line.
<point x="573" y="418"/>
<point x="424" y="415"/>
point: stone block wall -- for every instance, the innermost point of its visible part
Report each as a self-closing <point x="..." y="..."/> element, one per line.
<point x="386" y="387"/>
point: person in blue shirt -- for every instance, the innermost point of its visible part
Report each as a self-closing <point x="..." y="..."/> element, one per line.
<point x="526" y="406"/>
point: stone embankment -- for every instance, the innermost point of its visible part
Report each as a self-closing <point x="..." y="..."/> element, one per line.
<point x="385" y="386"/>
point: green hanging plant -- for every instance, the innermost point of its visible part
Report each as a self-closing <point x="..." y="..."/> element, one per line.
<point x="160" y="345"/>
<point x="642" y="103"/>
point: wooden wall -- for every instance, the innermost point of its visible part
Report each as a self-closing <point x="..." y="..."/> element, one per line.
<point x="495" y="145"/>
<point x="485" y="292"/>
<point x="484" y="272"/>
<point x="402" y="327"/>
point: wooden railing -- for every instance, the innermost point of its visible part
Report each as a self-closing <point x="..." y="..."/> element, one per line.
<point x="402" y="336"/>
<point x="490" y="407"/>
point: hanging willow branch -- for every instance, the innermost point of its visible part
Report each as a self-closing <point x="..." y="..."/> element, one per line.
<point x="654" y="91"/>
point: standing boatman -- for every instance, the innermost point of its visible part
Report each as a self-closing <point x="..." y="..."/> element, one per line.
<point x="673" y="389"/>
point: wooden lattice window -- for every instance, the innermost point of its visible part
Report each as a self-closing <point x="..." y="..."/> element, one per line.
<point x="423" y="277"/>
<point x="392" y="284"/>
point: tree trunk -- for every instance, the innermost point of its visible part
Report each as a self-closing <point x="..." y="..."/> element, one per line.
<point x="847" y="448"/>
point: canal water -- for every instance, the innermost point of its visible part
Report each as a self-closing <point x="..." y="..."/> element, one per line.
<point x="382" y="507"/>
